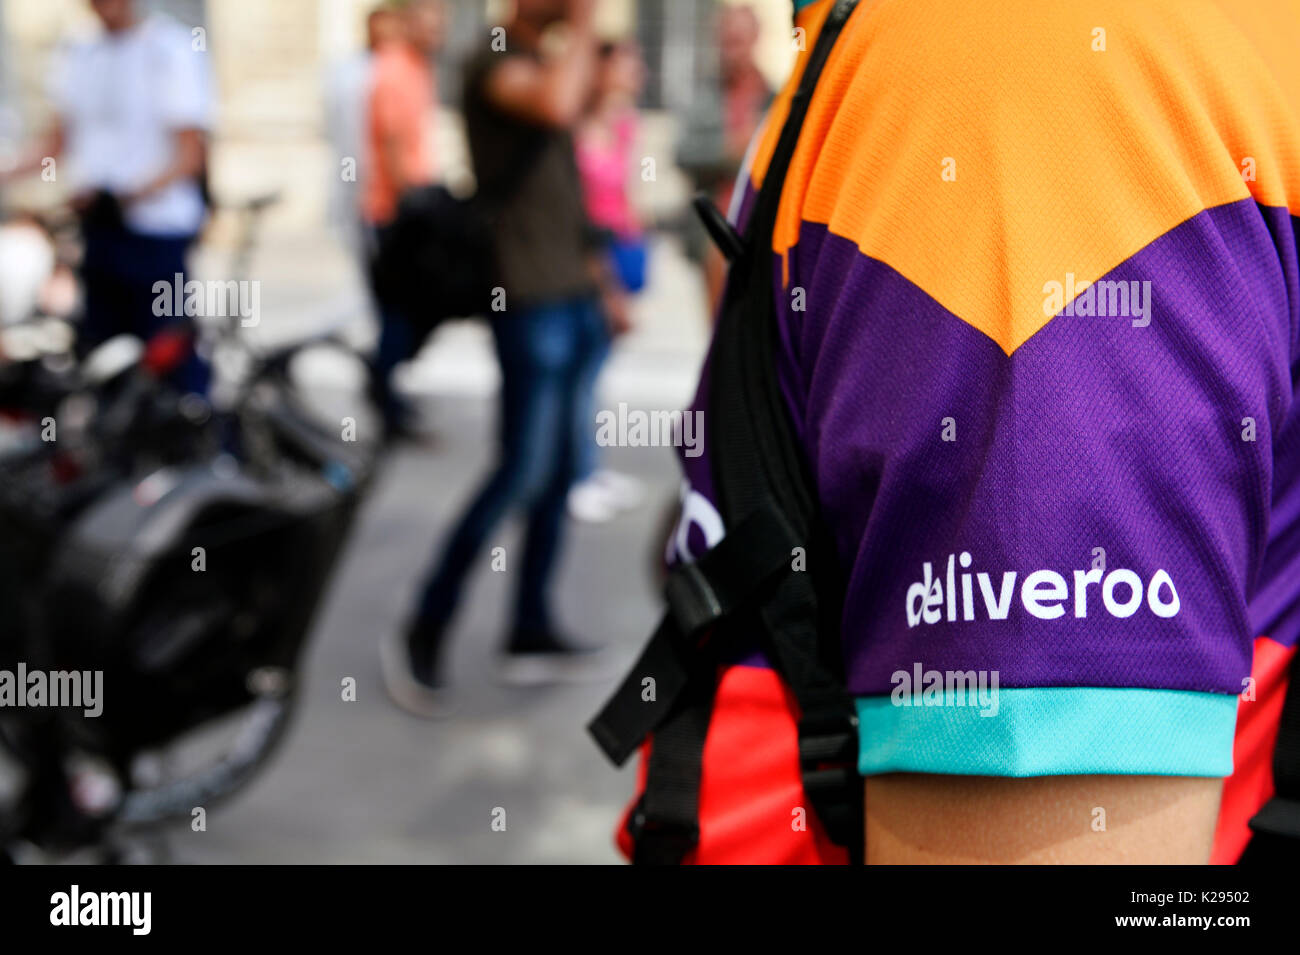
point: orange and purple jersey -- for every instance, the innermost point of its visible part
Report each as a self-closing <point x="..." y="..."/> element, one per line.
<point x="1038" y="294"/>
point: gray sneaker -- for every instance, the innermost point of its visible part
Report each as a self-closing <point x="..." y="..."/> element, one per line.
<point x="409" y="675"/>
<point x="535" y="658"/>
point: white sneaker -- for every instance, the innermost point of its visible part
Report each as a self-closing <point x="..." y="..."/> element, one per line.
<point x="623" y="491"/>
<point x="553" y="661"/>
<point x="590" y="502"/>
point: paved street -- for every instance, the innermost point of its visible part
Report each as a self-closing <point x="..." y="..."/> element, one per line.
<point x="363" y="782"/>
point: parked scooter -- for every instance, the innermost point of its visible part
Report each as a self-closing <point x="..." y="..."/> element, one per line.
<point x="174" y="550"/>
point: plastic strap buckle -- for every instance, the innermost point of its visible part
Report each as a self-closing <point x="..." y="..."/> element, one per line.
<point x="692" y="600"/>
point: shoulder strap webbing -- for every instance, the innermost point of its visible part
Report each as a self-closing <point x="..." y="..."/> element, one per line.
<point x="760" y="468"/>
<point x="769" y="512"/>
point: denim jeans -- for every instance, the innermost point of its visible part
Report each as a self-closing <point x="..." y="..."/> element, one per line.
<point x="546" y="354"/>
<point x="118" y="272"/>
<point x="396" y="343"/>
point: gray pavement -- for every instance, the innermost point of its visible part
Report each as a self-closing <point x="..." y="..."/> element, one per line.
<point x="362" y="781"/>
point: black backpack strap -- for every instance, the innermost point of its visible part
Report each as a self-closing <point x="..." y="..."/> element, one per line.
<point x="699" y="595"/>
<point x="1277" y="824"/>
<point x="666" y="821"/>
<point x="758" y="465"/>
<point x="769" y="511"/>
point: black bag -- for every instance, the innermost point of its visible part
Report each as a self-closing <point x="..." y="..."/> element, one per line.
<point x="103" y="212"/>
<point x="435" y="261"/>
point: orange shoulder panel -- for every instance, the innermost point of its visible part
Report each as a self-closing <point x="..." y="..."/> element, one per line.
<point x="984" y="150"/>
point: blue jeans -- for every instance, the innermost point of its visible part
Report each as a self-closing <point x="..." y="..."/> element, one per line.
<point x="396" y="343"/>
<point x="118" y="273"/>
<point x="546" y="354"/>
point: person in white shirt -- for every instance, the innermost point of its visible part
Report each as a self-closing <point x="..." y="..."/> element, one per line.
<point x="134" y="106"/>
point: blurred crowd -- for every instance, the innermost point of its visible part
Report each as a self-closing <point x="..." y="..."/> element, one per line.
<point x="555" y="241"/>
<point x="550" y="114"/>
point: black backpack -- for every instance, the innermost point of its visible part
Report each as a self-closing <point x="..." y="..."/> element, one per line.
<point x="747" y="584"/>
<point x="435" y="261"/>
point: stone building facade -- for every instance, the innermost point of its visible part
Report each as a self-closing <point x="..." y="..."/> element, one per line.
<point x="270" y="58"/>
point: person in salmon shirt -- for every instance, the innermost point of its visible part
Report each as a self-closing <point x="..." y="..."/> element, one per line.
<point x="401" y="108"/>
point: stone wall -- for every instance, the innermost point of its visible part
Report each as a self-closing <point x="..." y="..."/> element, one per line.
<point x="269" y="58"/>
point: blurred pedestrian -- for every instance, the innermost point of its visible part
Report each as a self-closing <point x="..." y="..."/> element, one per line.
<point x="605" y="143"/>
<point x="400" y="112"/>
<point x="521" y="105"/>
<point x="717" y="133"/>
<point x="133" y="106"/>
<point x="746" y="93"/>
<point x="347" y="84"/>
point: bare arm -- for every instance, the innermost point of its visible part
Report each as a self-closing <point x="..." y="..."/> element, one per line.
<point x="389" y="158"/>
<point x="554" y="92"/>
<point x="615" y="302"/>
<point x="918" y="819"/>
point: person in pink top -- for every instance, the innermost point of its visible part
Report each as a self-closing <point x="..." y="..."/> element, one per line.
<point x="607" y="137"/>
<point x="606" y="152"/>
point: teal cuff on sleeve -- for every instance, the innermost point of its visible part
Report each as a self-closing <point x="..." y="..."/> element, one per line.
<point x="1049" y="731"/>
